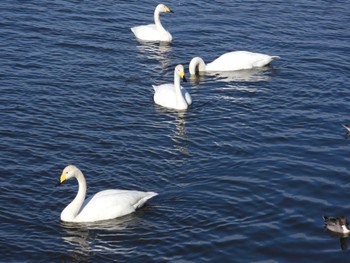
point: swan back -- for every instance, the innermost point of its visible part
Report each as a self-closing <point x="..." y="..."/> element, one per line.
<point x="109" y="204"/>
<point x="238" y="60"/>
<point x="197" y="64"/>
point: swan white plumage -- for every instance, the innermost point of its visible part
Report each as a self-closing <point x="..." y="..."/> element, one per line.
<point x="171" y="95"/>
<point x="231" y="61"/>
<point x="104" y="205"/>
<point x="156" y="31"/>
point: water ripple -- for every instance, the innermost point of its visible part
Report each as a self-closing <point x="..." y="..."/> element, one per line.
<point x="251" y="166"/>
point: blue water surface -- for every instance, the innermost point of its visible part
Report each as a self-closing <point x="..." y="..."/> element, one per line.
<point x="244" y="175"/>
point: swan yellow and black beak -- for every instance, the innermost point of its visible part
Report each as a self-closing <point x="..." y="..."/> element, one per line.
<point x="61" y="180"/>
<point x="182" y="75"/>
<point x="168" y="10"/>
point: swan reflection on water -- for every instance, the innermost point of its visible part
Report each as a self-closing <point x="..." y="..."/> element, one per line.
<point x="156" y="51"/>
<point x="88" y="239"/>
<point x="179" y="136"/>
<point x="248" y="75"/>
<point x="180" y="132"/>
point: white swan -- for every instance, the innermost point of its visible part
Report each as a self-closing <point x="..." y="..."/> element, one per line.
<point x="173" y="96"/>
<point x="154" y="32"/>
<point x="107" y="204"/>
<point x="235" y="60"/>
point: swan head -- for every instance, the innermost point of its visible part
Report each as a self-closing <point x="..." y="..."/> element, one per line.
<point x="180" y="71"/>
<point x="197" y="64"/>
<point x="67" y="173"/>
<point x="161" y="8"/>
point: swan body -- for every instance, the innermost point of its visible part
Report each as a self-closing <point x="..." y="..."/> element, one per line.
<point x="173" y="96"/>
<point x="235" y="60"/>
<point x="337" y="224"/>
<point x="104" y="205"/>
<point x="156" y="31"/>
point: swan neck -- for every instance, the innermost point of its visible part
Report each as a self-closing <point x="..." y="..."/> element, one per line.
<point x="180" y="100"/>
<point x="197" y="64"/>
<point x="73" y="209"/>
<point x="157" y="22"/>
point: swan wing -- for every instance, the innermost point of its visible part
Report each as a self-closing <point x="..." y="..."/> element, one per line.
<point x="165" y="95"/>
<point x="146" y="32"/>
<point x="110" y="204"/>
<point x="186" y="95"/>
<point x="238" y="60"/>
<point x="151" y="33"/>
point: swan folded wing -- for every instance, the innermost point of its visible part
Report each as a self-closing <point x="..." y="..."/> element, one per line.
<point x="147" y="32"/>
<point x="110" y="204"/>
<point x="238" y="60"/>
<point x="165" y="95"/>
<point x="186" y="95"/>
<point x="262" y="60"/>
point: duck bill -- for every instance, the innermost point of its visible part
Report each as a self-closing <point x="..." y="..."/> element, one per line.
<point x="184" y="79"/>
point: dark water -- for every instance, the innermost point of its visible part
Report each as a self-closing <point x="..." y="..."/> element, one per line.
<point x="244" y="175"/>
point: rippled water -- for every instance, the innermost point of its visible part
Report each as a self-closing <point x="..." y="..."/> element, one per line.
<point x="244" y="175"/>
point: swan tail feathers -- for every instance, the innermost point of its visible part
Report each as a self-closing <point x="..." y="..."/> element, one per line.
<point x="143" y="200"/>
